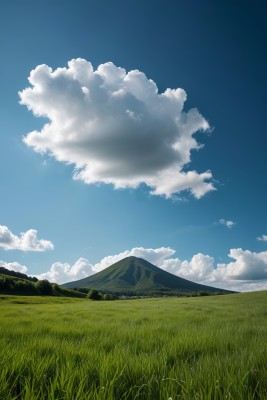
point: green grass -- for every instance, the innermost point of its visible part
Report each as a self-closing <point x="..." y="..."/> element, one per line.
<point x="206" y="348"/>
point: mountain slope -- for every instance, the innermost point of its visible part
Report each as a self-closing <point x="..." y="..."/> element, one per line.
<point x="137" y="275"/>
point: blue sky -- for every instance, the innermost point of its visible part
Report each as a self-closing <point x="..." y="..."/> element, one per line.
<point x="215" y="52"/>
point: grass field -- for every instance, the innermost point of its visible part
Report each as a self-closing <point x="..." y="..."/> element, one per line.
<point x="153" y="349"/>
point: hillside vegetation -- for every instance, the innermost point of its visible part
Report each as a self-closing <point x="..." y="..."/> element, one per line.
<point x="16" y="283"/>
<point x="5" y="271"/>
<point x="151" y="349"/>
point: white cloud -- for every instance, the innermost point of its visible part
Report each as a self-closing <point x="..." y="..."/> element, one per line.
<point x="247" y="266"/>
<point x="229" y="224"/>
<point x="28" y="241"/>
<point x="248" y="272"/>
<point x="14" y="266"/>
<point x="64" y="272"/>
<point x="262" y="238"/>
<point x="198" y="269"/>
<point x="115" y="127"/>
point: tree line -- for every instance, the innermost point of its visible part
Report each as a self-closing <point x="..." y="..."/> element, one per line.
<point x="13" y="285"/>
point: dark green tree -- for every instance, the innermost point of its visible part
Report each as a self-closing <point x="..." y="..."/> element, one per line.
<point x="44" y="287"/>
<point x="94" y="294"/>
<point x="6" y="283"/>
<point x="26" y="287"/>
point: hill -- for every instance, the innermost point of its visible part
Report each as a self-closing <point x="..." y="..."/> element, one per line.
<point x="16" y="283"/>
<point x="5" y="271"/>
<point x="134" y="275"/>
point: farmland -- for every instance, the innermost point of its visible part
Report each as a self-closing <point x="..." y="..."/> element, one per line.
<point x="148" y="349"/>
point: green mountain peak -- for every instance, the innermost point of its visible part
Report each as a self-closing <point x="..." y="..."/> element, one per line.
<point x="136" y="275"/>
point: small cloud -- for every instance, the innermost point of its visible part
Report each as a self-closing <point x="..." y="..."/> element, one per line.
<point x="262" y="238"/>
<point x="27" y="241"/>
<point x="115" y="128"/>
<point x="229" y="224"/>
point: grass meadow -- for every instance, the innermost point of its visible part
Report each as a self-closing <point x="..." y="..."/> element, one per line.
<point x="149" y="349"/>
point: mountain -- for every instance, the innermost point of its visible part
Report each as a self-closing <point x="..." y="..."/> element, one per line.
<point x="135" y="275"/>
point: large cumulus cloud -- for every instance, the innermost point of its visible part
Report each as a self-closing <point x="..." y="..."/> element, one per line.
<point x="116" y="128"/>
<point x="248" y="265"/>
